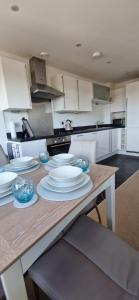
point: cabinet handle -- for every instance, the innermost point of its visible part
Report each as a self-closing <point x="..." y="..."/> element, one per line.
<point x="80" y="135"/>
<point x="93" y="132"/>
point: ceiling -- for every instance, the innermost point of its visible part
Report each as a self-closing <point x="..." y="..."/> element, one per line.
<point x="55" y="26"/>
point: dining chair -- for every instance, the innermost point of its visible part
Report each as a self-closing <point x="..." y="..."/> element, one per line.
<point x="89" y="262"/>
<point x="3" y="157"/>
<point x="2" y="297"/>
<point x="88" y="149"/>
<point x="84" y="148"/>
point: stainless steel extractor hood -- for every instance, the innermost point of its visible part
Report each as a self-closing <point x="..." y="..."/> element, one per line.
<point x="40" y="91"/>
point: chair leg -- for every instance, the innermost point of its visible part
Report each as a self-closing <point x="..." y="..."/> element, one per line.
<point x="98" y="213"/>
<point x="36" y="291"/>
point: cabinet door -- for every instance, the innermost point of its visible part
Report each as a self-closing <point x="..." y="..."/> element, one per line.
<point x="58" y="104"/>
<point x="16" y="84"/>
<point x="118" y="100"/>
<point x="85" y="95"/>
<point x="132" y="139"/>
<point x="132" y="94"/>
<point x="103" y="143"/>
<point x="115" y="140"/>
<point x="71" y="93"/>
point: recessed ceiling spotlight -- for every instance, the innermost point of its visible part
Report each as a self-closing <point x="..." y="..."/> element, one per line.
<point x="78" y="45"/>
<point x="97" y="54"/>
<point x="108" y="62"/>
<point x="44" y="54"/>
<point x="15" y="7"/>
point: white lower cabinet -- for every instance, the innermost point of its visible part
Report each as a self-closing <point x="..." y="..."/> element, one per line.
<point x="115" y="139"/>
<point x="103" y="143"/>
<point x="102" y="139"/>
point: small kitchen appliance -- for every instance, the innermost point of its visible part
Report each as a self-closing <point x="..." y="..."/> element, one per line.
<point x="68" y="126"/>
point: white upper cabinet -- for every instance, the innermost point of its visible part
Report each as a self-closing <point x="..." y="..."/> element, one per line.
<point x="85" y="95"/>
<point x="132" y="95"/>
<point x="14" y="85"/>
<point x="71" y="93"/>
<point x="78" y="94"/>
<point x="118" y="100"/>
<point x="67" y="85"/>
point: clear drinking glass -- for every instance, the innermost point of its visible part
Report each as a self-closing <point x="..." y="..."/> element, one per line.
<point x="44" y="156"/>
<point x="23" y="189"/>
<point x="83" y="163"/>
<point x="2" y="169"/>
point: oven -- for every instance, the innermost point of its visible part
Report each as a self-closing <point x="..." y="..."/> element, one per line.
<point x="58" y="145"/>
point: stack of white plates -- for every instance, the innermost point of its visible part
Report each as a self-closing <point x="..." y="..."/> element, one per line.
<point x="65" y="179"/>
<point x="62" y="159"/>
<point x="20" y="164"/>
<point x="6" y="180"/>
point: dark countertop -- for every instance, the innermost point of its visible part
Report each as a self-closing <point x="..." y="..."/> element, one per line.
<point x="61" y="132"/>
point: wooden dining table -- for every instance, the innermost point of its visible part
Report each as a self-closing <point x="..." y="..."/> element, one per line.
<point x="26" y="233"/>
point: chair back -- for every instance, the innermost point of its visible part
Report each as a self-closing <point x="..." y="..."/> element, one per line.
<point x="84" y="148"/>
<point x="3" y="158"/>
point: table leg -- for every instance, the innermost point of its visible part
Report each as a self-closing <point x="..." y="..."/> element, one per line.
<point x="110" y="200"/>
<point x="13" y="282"/>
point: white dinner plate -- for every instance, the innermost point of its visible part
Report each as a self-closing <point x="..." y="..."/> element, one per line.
<point x="65" y="173"/>
<point x="6" y="193"/>
<point x="10" y="167"/>
<point x="4" y="190"/>
<point x="52" y="196"/>
<point x="63" y="157"/>
<point x="6" y="179"/>
<point x="52" y="182"/>
<point x="21" y="161"/>
<point x="56" y="164"/>
<point x="64" y="190"/>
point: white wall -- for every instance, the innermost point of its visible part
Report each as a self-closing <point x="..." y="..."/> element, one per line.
<point x="3" y="137"/>
<point x="99" y="113"/>
<point x="16" y="117"/>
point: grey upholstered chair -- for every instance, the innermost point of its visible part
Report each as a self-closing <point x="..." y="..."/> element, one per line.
<point x="89" y="263"/>
<point x="3" y="157"/>
<point x="2" y="297"/>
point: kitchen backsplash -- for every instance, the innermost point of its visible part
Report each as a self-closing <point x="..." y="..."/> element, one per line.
<point x="82" y="119"/>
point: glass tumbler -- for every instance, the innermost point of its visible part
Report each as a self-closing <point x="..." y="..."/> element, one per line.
<point x="23" y="189"/>
<point x="83" y="164"/>
<point x="44" y="156"/>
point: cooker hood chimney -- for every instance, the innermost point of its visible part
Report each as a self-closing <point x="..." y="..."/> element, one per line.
<point x="40" y="91"/>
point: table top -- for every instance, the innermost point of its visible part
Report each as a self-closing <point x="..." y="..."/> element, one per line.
<point x="20" y="229"/>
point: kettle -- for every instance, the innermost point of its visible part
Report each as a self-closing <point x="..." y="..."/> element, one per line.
<point x="68" y="125"/>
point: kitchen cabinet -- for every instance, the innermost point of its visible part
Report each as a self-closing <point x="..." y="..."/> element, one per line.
<point x="118" y="100"/>
<point x="78" y="94"/>
<point x="103" y="143"/>
<point x="14" y="85"/>
<point x="101" y="93"/>
<point x="85" y="95"/>
<point x="102" y="139"/>
<point x="132" y="143"/>
<point x="132" y="94"/>
<point x="115" y="140"/>
<point x="67" y="85"/>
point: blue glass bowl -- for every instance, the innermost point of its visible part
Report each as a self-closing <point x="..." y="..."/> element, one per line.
<point x="23" y="189"/>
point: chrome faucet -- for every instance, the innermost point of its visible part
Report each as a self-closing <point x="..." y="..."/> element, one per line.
<point x="99" y="123"/>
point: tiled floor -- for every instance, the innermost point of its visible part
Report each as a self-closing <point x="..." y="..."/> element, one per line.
<point x="127" y="166"/>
